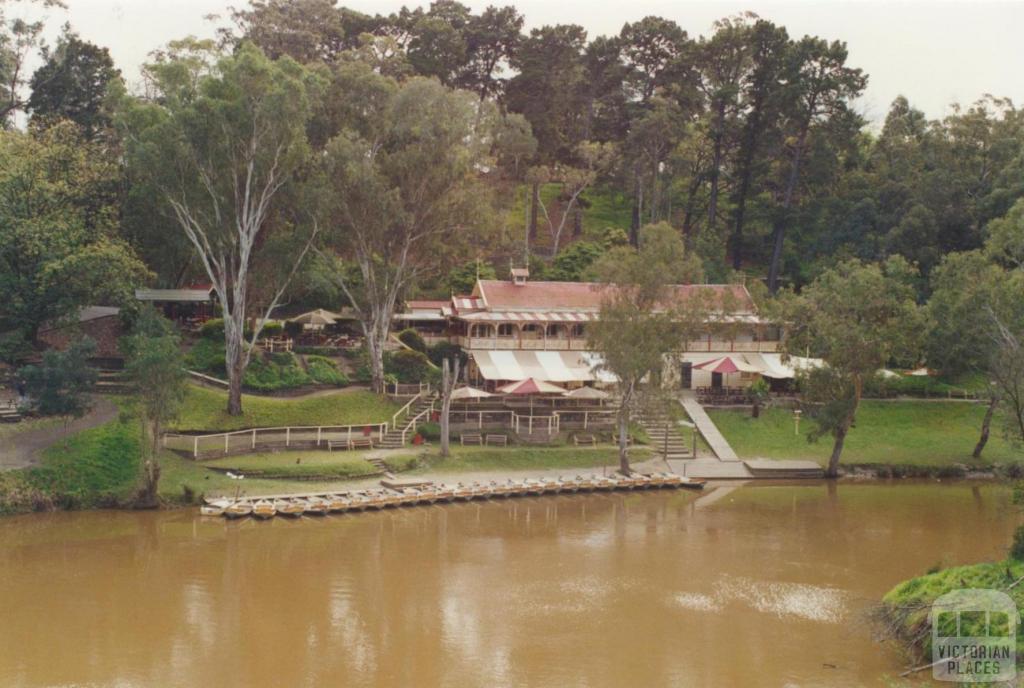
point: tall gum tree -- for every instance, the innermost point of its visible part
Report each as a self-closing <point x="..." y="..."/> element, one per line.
<point x="857" y="317"/>
<point x="223" y="154"/>
<point x="641" y="321"/>
<point x="401" y="190"/>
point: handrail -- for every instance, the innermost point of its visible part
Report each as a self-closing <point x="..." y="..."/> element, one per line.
<point x="253" y="433"/>
<point x="403" y="410"/>
<point x="412" y="423"/>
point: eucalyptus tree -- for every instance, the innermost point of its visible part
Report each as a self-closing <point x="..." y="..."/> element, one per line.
<point x="60" y="247"/>
<point x="492" y="39"/>
<point x="72" y="84"/>
<point x="760" y="91"/>
<point x="401" y="189"/>
<point x="225" y="150"/>
<point x="858" y="317"/>
<point x="19" y="40"/>
<point x="820" y="87"/>
<point x="641" y="319"/>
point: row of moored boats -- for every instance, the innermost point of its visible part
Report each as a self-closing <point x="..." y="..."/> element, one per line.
<point x="429" y="493"/>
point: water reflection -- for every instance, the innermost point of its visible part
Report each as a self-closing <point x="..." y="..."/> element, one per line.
<point x="751" y="585"/>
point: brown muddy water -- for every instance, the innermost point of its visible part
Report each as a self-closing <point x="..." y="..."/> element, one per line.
<point x="761" y="585"/>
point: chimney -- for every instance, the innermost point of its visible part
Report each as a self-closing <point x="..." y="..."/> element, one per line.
<point x="520" y="275"/>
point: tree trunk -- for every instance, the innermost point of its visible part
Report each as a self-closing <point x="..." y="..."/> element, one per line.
<point x="534" y="204"/>
<point x="755" y="411"/>
<point x="449" y="379"/>
<point x="986" y="424"/>
<point x="623" y="436"/>
<point x="634" y="223"/>
<point x="234" y="328"/>
<point x="716" y="167"/>
<point x="782" y="216"/>
<point x="837" y="450"/>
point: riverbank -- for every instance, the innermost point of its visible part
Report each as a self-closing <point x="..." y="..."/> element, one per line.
<point x="931" y="435"/>
<point x="904" y="614"/>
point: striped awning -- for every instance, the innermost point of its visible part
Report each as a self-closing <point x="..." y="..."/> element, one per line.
<point x="467" y="303"/>
<point x="549" y="366"/>
<point x="526" y="316"/>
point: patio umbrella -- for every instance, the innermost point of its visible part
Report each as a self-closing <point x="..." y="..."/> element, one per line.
<point x="318" y="318"/>
<point x="727" y="364"/>
<point x="470" y="393"/>
<point x="587" y="393"/>
<point x="530" y="386"/>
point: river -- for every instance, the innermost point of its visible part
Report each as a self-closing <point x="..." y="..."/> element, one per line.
<point x="758" y="585"/>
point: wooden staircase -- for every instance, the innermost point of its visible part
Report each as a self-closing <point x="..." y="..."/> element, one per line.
<point x="417" y="416"/>
<point x="9" y="412"/>
<point x="666" y="439"/>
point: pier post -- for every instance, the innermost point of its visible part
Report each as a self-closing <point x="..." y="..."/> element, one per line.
<point x="287" y="436"/>
<point x="318" y="433"/>
<point x="227" y="438"/>
<point x="195" y="448"/>
<point x="254" y="438"/>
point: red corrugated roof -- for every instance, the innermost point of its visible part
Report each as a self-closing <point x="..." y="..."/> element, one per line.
<point x="427" y="303"/>
<point x="501" y="295"/>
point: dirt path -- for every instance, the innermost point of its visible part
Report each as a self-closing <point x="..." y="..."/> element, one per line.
<point x="22" y="449"/>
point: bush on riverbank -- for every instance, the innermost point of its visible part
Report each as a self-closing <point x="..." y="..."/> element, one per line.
<point x="905" y="608"/>
<point x="99" y="467"/>
<point x="898" y="432"/>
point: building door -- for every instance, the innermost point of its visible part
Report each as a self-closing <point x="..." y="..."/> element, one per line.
<point x="716" y="381"/>
<point x="686" y="375"/>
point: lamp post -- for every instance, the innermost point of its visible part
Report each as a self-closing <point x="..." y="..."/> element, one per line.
<point x="796" y="421"/>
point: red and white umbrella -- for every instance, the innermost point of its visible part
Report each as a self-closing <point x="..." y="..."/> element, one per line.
<point x="727" y="364"/>
<point x="531" y="386"/>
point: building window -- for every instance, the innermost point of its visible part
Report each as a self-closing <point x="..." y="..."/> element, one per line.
<point x="579" y="330"/>
<point x="506" y="330"/>
<point x="532" y="330"/>
<point x="556" y="332"/>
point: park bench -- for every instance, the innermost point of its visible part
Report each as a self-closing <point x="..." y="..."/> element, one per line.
<point x="354" y="443"/>
<point x="471" y="438"/>
<point x="584" y="439"/>
<point x="501" y="440"/>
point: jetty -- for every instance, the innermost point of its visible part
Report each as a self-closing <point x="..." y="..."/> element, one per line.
<point x="396" y="493"/>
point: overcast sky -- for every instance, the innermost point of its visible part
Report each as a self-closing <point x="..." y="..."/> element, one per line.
<point x="935" y="53"/>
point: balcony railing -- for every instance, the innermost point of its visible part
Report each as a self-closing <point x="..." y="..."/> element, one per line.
<point x="565" y="344"/>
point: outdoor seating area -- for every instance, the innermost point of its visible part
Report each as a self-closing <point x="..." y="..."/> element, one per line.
<point x="723" y="396"/>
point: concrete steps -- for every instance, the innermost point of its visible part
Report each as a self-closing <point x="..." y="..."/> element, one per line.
<point x="393" y="438"/>
<point x="666" y="439"/>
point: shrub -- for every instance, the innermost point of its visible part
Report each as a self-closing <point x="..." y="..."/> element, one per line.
<point x="212" y="329"/>
<point x="429" y="431"/>
<point x="292" y="329"/>
<point x="412" y="339"/>
<point x="278" y="371"/>
<point x="325" y="371"/>
<point x="272" y="329"/>
<point x="443" y="350"/>
<point x="408" y="366"/>
<point x="207" y="356"/>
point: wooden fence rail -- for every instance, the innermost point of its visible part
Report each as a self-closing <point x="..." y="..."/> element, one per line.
<point x="309" y="436"/>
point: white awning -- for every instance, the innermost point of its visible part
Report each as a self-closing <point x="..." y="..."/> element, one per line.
<point x="774" y="367"/>
<point x="550" y="366"/>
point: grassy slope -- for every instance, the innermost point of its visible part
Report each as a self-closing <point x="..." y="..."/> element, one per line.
<point x="607" y="208"/>
<point x="906" y="432"/>
<point x="521" y="458"/>
<point x="204" y="410"/>
<point x="910" y="600"/>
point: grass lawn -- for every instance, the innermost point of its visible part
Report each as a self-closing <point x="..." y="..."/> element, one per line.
<point x="204" y="410"/>
<point x="908" y="604"/>
<point x="98" y="466"/>
<point x="522" y="458"/>
<point x="897" y="432"/>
